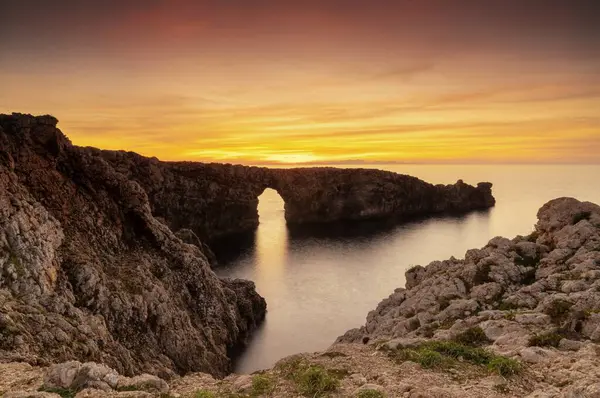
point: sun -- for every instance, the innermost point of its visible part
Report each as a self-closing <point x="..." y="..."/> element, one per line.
<point x="299" y="157"/>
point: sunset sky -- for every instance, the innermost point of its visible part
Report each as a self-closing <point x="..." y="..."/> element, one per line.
<point x="257" y="81"/>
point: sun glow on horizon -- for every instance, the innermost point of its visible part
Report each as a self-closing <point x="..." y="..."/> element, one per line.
<point x="336" y="81"/>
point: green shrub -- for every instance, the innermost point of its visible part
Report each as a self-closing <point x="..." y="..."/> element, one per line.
<point x="262" y="384"/>
<point x="424" y="356"/>
<point x="504" y="366"/>
<point x="63" y="392"/>
<point x="429" y="359"/>
<point x="204" y="394"/>
<point x="456" y="350"/>
<point x="315" y="381"/>
<point x="370" y="394"/>
<point x="474" y="336"/>
<point x="446" y="354"/>
<point x="291" y="366"/>
<point x="549" y="339"/>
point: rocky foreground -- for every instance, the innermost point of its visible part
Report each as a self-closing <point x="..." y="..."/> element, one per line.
<point x="517" y="318"/>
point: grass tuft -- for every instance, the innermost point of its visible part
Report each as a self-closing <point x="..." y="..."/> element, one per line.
<point x="548" y="339"/>
<point x="262" y="384"/>
<point x="504" y="366"/>
<point x="370" y="394"/>
<point x="474" y="336"/>
<point x="315" y="381"/>
<point x="444" y="355"/>
<point x="63" y="392"/>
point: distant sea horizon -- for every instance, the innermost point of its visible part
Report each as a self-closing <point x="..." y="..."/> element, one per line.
<point x="382" y="163"/>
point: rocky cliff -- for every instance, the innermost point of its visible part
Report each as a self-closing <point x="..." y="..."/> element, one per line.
<point x="517" y="318"/>
<point x="550" y="280"/>
<point x="216" y="200"/>
<point x="87" y="272"/>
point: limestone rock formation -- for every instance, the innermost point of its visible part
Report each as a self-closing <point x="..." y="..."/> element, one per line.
<point x="531" y="303"/>
<point x="214" y="200"/>
<point x="87" y="272"/>
<point x="354" y="368"/>
<point x="547" y="282"/>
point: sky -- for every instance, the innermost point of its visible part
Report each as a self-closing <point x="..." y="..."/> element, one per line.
<point x="336" y="81"/>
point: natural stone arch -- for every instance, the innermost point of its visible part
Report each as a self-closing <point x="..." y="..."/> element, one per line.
<point x="216" y="200"/>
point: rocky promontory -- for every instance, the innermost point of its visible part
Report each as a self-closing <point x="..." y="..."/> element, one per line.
<point x="216" y="200"/>
<point x="517" y="318"/>
<point x="87" y="272"/>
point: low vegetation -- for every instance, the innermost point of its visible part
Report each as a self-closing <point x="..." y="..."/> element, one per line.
<point x="504" y="366"/>
<point x="549" y="339"/>
<point x="262" y="385"/>
<point x="444" y="355"/>
<point x="370" y="394"/>
<point x="310" y="380"/>
<point x="63" y="392"/>
<point x="315" y="381"/>
<point x="474" y="336"/>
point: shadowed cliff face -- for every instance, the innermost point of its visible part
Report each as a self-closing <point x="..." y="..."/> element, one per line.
<point x="87" y="272"/>
<point x="216" y="200"/>
<point x="323" y="195"/>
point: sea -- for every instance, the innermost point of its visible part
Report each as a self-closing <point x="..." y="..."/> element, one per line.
<point x="322" y="281"/>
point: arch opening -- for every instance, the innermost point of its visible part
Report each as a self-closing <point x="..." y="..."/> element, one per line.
<point x="270" y="206"/>
<point x="271" y="234"/>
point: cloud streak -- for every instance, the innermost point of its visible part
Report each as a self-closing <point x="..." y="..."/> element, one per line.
<point x="271" y="81"/>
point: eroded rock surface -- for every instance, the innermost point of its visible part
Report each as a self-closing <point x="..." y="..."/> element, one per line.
<point x="215" y="200"/>
<point x="356" y="367"/>
<point x="88" y="273"/>
<point x="531" y="302"/>
<point x="547" y="282"/>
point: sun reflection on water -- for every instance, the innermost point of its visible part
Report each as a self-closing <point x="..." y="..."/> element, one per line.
<point x="271" y="236"/>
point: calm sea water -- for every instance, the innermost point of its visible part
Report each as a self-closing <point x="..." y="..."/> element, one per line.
<point x="321" y="282"/>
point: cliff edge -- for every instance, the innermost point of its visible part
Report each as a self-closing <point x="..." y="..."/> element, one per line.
<point x="87" y="272"/>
